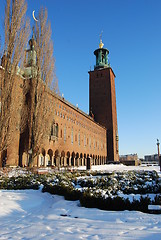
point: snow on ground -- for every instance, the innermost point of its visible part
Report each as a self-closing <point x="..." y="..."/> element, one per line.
<point x="31" y="214"/>
<point x="121" y="167"/>
<point x="107" y="168"/>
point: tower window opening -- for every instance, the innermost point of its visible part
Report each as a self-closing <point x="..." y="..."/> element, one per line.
<point x="102" y="57"/>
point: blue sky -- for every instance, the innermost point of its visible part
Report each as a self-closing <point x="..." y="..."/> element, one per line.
<point x="132" y="34"/>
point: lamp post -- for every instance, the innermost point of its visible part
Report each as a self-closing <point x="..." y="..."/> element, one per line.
<point x="158" y="143"/>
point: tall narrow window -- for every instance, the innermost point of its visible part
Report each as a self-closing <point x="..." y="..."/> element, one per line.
<point x="64" y="134"/>
<point x="56" y="130"/>
<point x="72" y="136"/>
<point x="90" y="142"/>
<point x="52" y="130"/>
<point x="84" y="140"/>
<point x="79" y="138"/>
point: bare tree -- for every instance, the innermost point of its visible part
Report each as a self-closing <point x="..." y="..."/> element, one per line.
<point x="44" y="86"/>
<point x="16" y="31"/>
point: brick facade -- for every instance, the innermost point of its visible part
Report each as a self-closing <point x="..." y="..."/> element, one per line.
<point x="75" y="136"/>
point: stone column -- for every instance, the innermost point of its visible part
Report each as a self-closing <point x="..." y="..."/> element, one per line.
<point x="65" y="161"/>
<point x="85" y="161"/>
<point x="58" y="161"/>
<point x="45" y="161"/>
<point x="69" y="161"/>
<point x="73" y="162"/>
<point x="77" y="162"/>
<point x="52" y="161"/>
<point x="91" y="160"/>
<point x="82" y="161"/>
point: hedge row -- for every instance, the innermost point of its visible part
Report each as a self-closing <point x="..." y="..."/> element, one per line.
<point x="19" y="183"/>
<point x="97" y="201"/>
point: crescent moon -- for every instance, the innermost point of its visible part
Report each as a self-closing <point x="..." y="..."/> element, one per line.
<point x="33" y="14"/>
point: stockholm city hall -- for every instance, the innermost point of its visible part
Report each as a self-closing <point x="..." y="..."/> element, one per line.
<point x="75" y="136"/>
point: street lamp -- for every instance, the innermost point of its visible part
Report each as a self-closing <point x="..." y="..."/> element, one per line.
<point x="158" y="143"/>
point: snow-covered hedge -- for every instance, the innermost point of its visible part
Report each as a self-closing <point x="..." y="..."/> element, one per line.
<point x="130" y="190"/>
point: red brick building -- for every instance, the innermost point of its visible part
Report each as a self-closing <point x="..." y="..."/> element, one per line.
<point x="75" y="136"/>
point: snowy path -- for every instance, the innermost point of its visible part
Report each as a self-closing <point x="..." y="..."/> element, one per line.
<point x="30" y="214"/>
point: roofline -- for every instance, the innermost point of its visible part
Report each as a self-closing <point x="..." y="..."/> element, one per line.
<point x="63" y="100"/>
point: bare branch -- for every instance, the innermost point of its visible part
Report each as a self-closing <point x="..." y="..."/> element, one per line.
<point x="16" y="32"/>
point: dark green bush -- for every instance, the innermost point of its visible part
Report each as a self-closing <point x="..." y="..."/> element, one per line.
<point x="68" y="192"/>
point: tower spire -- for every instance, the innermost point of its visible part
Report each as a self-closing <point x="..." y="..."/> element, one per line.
<point x="101" y="43"/>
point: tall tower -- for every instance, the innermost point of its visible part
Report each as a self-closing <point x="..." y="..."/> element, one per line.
<point x="102" y="99"/>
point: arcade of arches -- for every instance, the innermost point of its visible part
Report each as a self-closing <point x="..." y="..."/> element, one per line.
<point x="65" y="159"/>
<point x="75" y="136"/>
